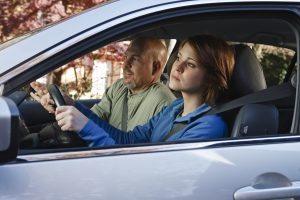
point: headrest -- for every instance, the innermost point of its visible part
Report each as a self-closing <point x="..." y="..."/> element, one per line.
<point x="248" y="76"/>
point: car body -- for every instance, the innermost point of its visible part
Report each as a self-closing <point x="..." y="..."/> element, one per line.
<point x="227" y="168"/>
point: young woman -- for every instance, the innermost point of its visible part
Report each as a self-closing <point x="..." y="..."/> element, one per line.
<point x="201" y="72"/>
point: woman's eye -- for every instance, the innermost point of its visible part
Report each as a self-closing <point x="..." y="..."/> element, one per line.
<point x="191" y="65"/>
<point x="135" y="58"/>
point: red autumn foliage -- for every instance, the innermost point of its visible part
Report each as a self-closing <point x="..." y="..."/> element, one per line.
<point x="18" y="17"/>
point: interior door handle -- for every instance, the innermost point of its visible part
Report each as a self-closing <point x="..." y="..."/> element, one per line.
<point x="269" y="186"/>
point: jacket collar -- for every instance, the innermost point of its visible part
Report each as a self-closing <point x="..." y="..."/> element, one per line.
<point x="189" y="117"/>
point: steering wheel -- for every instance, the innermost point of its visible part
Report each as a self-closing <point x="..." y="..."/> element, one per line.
<point x="51" y="136"/>
<point x="62" y="138"/>
<point x="56" y="95"/>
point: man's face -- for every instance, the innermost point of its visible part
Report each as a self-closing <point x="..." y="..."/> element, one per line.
<point x="137" y="69"/>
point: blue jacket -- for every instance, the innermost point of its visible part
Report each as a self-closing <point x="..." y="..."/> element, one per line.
<point x="99" y="133"/>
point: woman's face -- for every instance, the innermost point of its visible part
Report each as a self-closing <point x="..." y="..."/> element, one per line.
<point x="187" y="75"/>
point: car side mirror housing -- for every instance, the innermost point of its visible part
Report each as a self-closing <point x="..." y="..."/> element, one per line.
<point x="9" y="130"/>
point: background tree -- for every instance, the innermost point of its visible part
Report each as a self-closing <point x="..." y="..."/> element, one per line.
<point x="21" y="16"/>
<point x="274" y="61"/>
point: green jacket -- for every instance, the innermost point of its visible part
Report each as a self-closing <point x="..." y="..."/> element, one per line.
<point x="141" y="106"/>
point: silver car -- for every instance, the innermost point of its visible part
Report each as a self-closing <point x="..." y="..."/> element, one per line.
<point x="257" y="160"/>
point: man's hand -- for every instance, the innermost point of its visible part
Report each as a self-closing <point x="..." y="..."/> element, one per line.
<point x="42" y="95"/>
<point x="70" y="119"/>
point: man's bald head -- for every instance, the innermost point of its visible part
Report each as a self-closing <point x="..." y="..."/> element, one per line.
<point x="154" y="48"/>
<point x="144" y="63"/>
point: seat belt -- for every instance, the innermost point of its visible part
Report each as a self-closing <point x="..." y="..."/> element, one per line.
<point x="175" y="128"/>
<point x="269" y="94"/>
<point x="125" y="113"/>
<point x="180" y="125"/>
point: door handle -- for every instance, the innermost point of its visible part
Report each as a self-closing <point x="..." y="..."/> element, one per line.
<point x="250" y="193"/>
<point x="269" y="186"/>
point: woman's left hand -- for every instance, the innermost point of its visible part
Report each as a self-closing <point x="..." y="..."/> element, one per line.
<point x="70" y="119"/>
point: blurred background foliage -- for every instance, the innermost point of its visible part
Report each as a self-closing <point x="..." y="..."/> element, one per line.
<point x="274" y="61"/>
<point x="18" y="17"/>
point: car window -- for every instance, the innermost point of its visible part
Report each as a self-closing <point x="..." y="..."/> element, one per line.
<point x="89" y="76"/>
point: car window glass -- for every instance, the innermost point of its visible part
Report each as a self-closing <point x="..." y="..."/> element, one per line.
<point x="274" y="61"/>
<point x="88" y="77"/>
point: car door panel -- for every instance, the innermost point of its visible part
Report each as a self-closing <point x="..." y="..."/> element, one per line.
<point x="205" y="173"/>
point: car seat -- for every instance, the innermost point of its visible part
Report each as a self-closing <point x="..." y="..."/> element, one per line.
<point x="247" y="78"/>
<point x="256" y="118"/>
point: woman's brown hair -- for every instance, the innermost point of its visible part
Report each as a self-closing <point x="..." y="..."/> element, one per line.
<point x="217" y="58"/>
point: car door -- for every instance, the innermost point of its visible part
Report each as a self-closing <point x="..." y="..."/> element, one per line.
<point x="212" y="170"/>
<point x="262" y="167"/>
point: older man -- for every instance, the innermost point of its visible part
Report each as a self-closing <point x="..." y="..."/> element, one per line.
<point x="140" y="87"/>
<point x="137" y="97"/>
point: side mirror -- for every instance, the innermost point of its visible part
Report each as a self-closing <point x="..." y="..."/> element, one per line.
<point x="9" y="130"/>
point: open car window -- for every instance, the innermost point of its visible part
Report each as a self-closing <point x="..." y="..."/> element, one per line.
<point x="87" y="77"/>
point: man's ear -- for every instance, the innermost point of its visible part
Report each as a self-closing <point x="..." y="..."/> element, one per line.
<point x="156" y="67"/>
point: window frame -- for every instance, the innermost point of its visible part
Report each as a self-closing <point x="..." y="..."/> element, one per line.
<point x="122" y="30"/>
